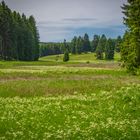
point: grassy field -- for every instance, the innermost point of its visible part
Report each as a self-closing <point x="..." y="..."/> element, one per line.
<point x="81" y="99"/>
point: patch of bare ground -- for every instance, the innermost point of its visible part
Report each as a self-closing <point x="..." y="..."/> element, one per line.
<point x="76" y="77"/>
<point x="97" y="65"/>
<point x="129" y="80"/>
<point x="20" y="79"/>
<point x="121" y="79"/>
<point x="83" y="77"/>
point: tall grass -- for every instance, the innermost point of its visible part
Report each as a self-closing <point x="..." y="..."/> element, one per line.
<point x="107" y="115"/>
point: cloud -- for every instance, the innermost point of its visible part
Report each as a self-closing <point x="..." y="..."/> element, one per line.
<point x="58" y="30"/>
<point x="79" y="19"/>
<point x="58" y="34"/>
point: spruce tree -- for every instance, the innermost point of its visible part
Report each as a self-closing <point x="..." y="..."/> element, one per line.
<point x="35" y="36"/>
<point x="66" y="56"/>
<point x="66" y="53"/>
<point x="5" y="29"/>
<point x="109" y="49"/>
<point x="101" y="47"/>
<point x="94" y="43"/>
<point x="73" y="45"/>
<point x="132" y="21"/>
<point x="118" y="42"/>
<point x="86" y="44"/>
<point x="79" y="45"/>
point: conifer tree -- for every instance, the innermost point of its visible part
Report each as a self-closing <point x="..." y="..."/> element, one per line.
<point x="79" y="45"/>
<point x="132" y="21"/>
<point x="101" y="47"/>
<point x="86" y="44"/>
<point x="118" y="42"/>
<point x="73" y="45"/>
<point x="94" y="43"/>
<point x="109" y="49"/>
<point x="66" y="56"/>
<point x="66" y="53"/>
<point x="35" y="36"/>
<point x="5" y="28"/>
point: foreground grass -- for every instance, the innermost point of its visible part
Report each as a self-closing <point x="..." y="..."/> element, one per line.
<point x="51" y="99"/>
<point x="108" y="115"/>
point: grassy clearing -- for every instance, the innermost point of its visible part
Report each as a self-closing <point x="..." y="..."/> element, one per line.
<point x="89" y="57"/>
<point x="50" y="99"/>
<point x="57" y="60"/>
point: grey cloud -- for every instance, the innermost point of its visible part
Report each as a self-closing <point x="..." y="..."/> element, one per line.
<point x="79" y="19"/>
<point x="63" y="16"/>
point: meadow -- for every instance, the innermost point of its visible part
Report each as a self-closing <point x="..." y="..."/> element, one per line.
<point x="84" y="98"/>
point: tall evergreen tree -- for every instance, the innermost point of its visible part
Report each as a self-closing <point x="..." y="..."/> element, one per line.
<point x="125" y="48"/>
<point x="73" y="45"/>
<point x="66" y="53"/>
<point x="5" y="30"/>
<point x="14" y="36"/>
<point x="20" y="37"/>
<point x="101" y="47"/>
<point x="79" y="45"/>
<point x="35" y="36"/>
<point x="94" y="43"/>
<point x="66" y="56"/>
<point x="118" y="42"/>
<point x="109" y="49"/>
<point x="132" y="21"/>
<point x="86" y="44"/>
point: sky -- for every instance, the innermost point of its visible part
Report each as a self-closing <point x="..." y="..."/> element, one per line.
<point x="63" y="19"/>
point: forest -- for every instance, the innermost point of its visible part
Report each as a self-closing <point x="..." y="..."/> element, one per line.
<point x="19" y="38"/>
<point x="78" y="45"/>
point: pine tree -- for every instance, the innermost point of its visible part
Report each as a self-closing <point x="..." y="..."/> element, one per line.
<point x="35" y="36"/>
<point x="109" y="49"/>
<point x="118" y="44"/>
<point x="132" y="21"/>
<point x="128" y="55"/>
<point x="101" y="47"/>
<point x="5" y="28"/>
<point x="94" y="43"/>
<point x="66" y="53"/>
<point x="86" y="44"/>
<point x="14" y="33"/>
<point x="79" y="45"/>
<point x="0" y="47"/>
<point x="73" y="45"/>
<point x="66" y="56"/>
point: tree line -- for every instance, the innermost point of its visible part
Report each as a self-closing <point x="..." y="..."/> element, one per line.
<point x="19" y="38"/>
<point x="51" y="48"/>
<point x="99" y="44"/>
